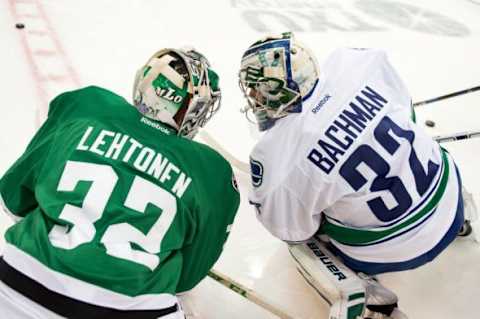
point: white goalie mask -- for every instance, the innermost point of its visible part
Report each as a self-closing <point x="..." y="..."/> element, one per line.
<point x="276" y="75"/>
<point x="177" y="88"/>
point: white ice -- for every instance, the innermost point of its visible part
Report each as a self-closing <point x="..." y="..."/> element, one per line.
<point x="435" y="46"/>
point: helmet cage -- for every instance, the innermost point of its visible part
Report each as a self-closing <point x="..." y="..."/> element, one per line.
<point x="270" y="80"/>
<point x="204" y="103"/>
<point x="269" y="99"/>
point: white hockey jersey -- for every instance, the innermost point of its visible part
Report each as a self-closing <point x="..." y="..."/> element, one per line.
<point x="355" y="157"/>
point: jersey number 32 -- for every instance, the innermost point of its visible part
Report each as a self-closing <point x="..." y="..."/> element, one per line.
<point x="117" y="237"/>
<point x="367" y="155"/>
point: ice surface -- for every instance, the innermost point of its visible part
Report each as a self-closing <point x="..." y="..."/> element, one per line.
<point x="435" y="45"/>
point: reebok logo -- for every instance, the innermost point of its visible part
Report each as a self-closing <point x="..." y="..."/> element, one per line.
<point x="321" y="103"/>
<point x="155" y="125"/>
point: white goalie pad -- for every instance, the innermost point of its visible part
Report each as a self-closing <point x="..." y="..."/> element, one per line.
<point x="470" y="207"/>
<point x="471" y="213"/>
<point x="341" y="288"/>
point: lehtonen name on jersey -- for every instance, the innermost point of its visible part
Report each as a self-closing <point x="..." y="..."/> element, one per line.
<point x="346" y="127"/>
<point x="118" y="146"/>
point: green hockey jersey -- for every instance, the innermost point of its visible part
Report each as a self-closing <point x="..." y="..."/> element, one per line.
<point x="116" y="209"/>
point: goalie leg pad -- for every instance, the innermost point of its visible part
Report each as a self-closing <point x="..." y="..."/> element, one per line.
<point x="472" y="224"/>
<point x="349" y="295"/>
<point x="341" y="288"/>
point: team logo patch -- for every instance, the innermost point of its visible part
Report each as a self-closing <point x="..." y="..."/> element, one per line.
<point x="256" y="169"/>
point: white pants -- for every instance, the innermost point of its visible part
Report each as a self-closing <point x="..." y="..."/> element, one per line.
<point x="16" y="306"/>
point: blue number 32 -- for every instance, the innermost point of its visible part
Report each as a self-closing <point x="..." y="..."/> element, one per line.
<point x="365" y="154"/>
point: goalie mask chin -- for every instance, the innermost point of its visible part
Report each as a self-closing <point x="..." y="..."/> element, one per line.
<point x="177" y="88"/>
<point x="276" y="75"/>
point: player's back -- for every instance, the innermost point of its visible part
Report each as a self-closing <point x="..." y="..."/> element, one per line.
<point x="123" y="205"/>
<point x="355" y="154"/>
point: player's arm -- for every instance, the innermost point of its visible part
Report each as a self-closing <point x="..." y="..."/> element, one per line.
<point x="377" y="64"/>
<point x="392" y="78"/>
<point x="214" y="224"/>
<point x="285" y="200"/>
<point x="286" y="216"/>
<point x="17" y="186"/>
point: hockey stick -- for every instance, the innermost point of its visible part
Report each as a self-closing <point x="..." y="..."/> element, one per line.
<point x="447" y="96"/>
<point x="229" y="157"/>
<point x="247" y="293"/>
<point x="244" y="166"/>
<point x="456" y="136"/>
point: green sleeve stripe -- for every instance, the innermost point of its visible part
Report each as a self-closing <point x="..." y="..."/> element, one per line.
<point x="353" y="236"/>
<point x="414" y="115"/>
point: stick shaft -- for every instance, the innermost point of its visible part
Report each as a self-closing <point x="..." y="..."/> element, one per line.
<point x="247" y="293"/>
<point x="244" y="166"/>
<point x="457" y="136"/>
<point x="210" y="140"/>
<point x="447" y="96"/>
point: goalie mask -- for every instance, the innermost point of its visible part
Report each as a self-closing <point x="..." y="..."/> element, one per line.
<point x="276" y="75"/>
<point x="178" y="88"/>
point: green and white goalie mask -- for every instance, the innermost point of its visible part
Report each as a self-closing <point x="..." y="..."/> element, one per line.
<point x="178" y="88"/>
<point x="276" y="75"/>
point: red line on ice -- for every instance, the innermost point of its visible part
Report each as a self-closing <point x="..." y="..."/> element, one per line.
<point x="34" y="55"/>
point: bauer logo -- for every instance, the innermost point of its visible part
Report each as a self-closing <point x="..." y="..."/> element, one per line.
<point x="256" y="169"/>
<point x="326" y="261"/>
